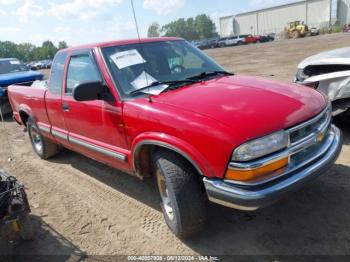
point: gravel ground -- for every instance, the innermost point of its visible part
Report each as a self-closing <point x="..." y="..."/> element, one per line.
<point x="81" y="207"/>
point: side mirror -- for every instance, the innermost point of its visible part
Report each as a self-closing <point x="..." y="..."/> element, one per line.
<point x="33" y="68"/>
<point x="88" y="91"/>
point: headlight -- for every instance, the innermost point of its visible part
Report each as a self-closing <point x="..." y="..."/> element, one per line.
<point x="261" y="147"/>
<point x="301" y="76"/>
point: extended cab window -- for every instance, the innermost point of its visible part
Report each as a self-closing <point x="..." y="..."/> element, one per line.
<point x="81" y="69"/>
<point x="57" y="70"/>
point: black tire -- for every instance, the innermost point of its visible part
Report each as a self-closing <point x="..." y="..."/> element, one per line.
<point x="48" y="148"/>
<point x="184" y="194"/>
<point x="26" y="230"/>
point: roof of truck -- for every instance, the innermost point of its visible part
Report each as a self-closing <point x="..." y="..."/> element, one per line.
<point x="123" y="42"/>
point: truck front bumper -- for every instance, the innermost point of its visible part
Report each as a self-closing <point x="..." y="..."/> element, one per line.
<point x="252" y="197"/>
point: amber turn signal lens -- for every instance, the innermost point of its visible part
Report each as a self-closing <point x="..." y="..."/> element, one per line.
<point x="245" y="175"/>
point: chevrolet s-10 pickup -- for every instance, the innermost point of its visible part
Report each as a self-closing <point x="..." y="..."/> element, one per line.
<point x="160" y="107"/>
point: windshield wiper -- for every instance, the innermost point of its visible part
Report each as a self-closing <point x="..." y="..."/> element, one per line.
<point x="209" y="73"/>
<point x="169" y="83"/>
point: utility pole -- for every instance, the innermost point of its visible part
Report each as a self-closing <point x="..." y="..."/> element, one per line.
<point x="307" y="11"/>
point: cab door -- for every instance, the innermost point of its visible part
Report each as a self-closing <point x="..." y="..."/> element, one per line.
<point x="53" y="100"/>
<point x="95" y="127"/>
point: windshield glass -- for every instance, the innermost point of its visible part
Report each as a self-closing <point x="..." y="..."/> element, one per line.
<point x="12" y="66"/>
<point x="135" y="66"/>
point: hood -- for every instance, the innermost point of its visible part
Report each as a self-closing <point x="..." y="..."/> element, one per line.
<point x="252" y="106"/>
<point x="335" y="57"/>
<point x="19" y="77"/>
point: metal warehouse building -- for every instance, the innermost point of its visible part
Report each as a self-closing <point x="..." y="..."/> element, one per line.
<point x="315" y="13"/>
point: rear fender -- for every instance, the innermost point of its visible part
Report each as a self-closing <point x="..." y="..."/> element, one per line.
<point x="26" y="109"/>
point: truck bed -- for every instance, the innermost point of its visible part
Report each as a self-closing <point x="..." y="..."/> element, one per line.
<point x="29" y="100"/>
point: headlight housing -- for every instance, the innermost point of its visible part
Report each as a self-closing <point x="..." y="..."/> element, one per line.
<point x="261" y="146"/>
<point x="301" y="76"/>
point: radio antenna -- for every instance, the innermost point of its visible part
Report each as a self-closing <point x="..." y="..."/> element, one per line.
<point x="138" y="35"/>
<point x="136" y="24"/>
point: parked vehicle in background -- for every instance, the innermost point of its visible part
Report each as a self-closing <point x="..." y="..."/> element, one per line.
<point x="314" y="31"/>
<point x="222" y="42"/>
<point x="162" y="107"/>
<point x="46" y="64"/>
<point x="235" y="40"/>
<point x="250" y="39"/>
<point x="43" y="64"/>
<point x="32" y="66"/>
<point x="208" y="43"/>
<point x="328" y="72"/>
<point x="12" y="71"/>
<point x="196" y="43"/>
<point x="267" y="38"/>
<point x="346" y="28"/>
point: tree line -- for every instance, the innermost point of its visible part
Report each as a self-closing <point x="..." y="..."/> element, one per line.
<point x="200" y="27"/>
<point x="28" y="52"/>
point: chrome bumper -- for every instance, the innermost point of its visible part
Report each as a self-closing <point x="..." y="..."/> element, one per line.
<point x="254" y="196"/>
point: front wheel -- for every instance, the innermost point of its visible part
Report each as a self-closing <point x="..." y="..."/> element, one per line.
<point x="183" y="201"/>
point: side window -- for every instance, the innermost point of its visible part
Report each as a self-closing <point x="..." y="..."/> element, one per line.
<point x="81" y="69"/>
<point x="57" y="70"/>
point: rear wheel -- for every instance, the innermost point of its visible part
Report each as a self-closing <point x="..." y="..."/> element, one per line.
<point x="42" y="146"/>
<point x="183" y="201"/>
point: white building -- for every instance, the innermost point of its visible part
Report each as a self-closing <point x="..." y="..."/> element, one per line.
<point x="315" y="13"/>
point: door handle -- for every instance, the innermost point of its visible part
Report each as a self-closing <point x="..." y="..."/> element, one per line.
<point x="65" y="107"/>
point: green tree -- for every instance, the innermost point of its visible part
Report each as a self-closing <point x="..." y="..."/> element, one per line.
<point x="62" y="45"/>
<point x="29" y="52"/>
<point x="8" y="49"/>
<point x="153" y="30"/>
<point x="201" y="27"/>
<point x="205" y="26"/>
<point x="25" y="51"/>
<point x="48" y="49"/>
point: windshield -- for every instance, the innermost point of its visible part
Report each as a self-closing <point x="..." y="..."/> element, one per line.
<point x="12" y="66"/>
<point x="138" y="65"/>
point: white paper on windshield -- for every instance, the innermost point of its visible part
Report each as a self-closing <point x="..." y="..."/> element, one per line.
<point x="14" y="62"/>
<point x="145" y="79"/>
<point x="127" y="58"/>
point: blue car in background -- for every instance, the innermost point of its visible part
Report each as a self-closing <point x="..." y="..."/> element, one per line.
<point x="12" y="71"/>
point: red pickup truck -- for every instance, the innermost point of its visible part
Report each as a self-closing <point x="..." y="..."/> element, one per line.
<point x="160" y="107"/>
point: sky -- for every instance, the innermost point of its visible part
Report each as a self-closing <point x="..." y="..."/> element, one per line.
<point x="88" y="21"/>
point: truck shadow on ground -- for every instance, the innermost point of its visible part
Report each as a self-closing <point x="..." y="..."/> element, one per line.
<point x="47" y="245"/>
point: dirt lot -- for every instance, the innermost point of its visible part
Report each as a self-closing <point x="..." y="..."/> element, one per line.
<point x="82" y="207"/>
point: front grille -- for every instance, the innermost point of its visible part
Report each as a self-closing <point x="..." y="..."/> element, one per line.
<point x="319" y="123"/>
